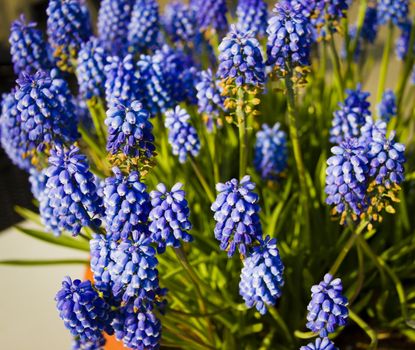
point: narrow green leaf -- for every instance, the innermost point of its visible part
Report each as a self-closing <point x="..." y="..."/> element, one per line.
<point x="28" y="214"/>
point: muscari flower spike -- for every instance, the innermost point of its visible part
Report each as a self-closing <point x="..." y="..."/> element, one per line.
<point x="211" y="15"/>
<point x="402" y="44"/>
<point x="387" y="108"/>
<point x="209" y="98"/>
<point x="127" y="204"/>
<point x="289" y="38"/>
<point x="47" y="112"/>
<point x="262" y="276"/>
<point x="328" y="306"/>
<point x="180" y="22"/>
<point x="252" y="16"/>
<point x="81" y="344"/>
<point x="270" y="152"/>
<point x="121" y="83"/>
<point x="137" y="330"/>
<point x="169" y="217"/>
<point x="237" y="215"/>
<point x="28" y="49"/>
<point x="68" y="26"/>
<point x="130" y="131"/>
<point x="113" y="19"/>
<point x="346" y="179"/>
<point x="320" y="344"/>
<point x="70" y="199"/>
<point x="90" y="69"/>
<point x="83" y="311"/>
<point x="351" y="116"/>
<point x="13" y="138"/>
<point x="182" y="135"/>
<point x="370" y="25"/>
<point x="144" y="26"/>
<point x="240" y="60"/>
<point x="395" y="11"/>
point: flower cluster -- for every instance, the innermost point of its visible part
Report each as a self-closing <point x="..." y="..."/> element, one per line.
<point x="180" y="22"/>
<point x="395" y="11"/>
<point x="387" y="107"/>
<point x="252" y="16"/>
<point x="211" y="14"/>
<point x="183" y="137"/>
<point x="402" y="44"/>
<point x="320" y="344"/>
<point x="328" y="307"/>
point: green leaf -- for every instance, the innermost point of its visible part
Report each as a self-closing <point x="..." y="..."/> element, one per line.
<point x="63" y="240"/>
<point x="43" y="262"/>
<point x="28" y="214"/>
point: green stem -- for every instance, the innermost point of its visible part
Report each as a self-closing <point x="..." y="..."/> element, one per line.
<point x="181" y="256"/>
<point x="202" y="180"/>
<point x="295" y="141"/>
<point x="337" y="67"/>
<point x="98" y="115"/>
<point x="243" y="135"/>
<point x="367" y="329"/>
<point x="277" y="317"/>
<point x="385" y="61"/>
<point x="215" y="160"/>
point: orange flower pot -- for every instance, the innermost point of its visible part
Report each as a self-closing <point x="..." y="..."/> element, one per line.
<point x="112" y="343"/>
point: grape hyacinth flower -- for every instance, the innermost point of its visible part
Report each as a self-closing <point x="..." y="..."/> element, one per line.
<point x="100" y="264"/>
<point x="80" y="344"/>
<point x="121" y="83"/>
<point x="395" y="11"/>
<point x="137" y="330"/>
<point x="211" y="15"/>
<point x="130" y="131"/>
<point x="90" y="69"/>
<point x="262" y="276"/>
<point x="169" y="217"/>
<point x="46" y="110"/>
<point x="127" y="204"/>
<point x="68" y="26"/>
<point x="289" y="38"/>
<point x="351" y="116"/>
<point x="37" y="180"/>
<point x="387" y="108"/>
<point x="240" y="60"/>
<point x="70" y="194"/>
<point x="28" y="49"/>
<point x="180" y="22"/>
<point x="402" y="44"/>
<point x="144" y="25"/>
<point x="270" y="152"/>
<point x="328" y="306"/>
<point x="320" y="344"/>
<point x="183" y="136"/>
<point x="82" y="310"/>
<point x="346" y="179"/>
<point x="237" y="215"/>
<point x="252" y="16"/>
<point x="209" y="98"/>
<point x="14" y="140"/>
<point x="113" y="19"/>
<point x="370" y="25"/>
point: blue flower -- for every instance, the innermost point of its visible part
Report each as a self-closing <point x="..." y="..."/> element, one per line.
<point x="209" y="97"/>
<point x="370" y="25"/>
<point x="351" y="116"/>
<point x="180" y="22"/>
<point x="47" y="112"/>
<point x="402" y="44"/>
<point x="211" y="14"/>
<point x="183" y="136"/>
<point x="13" y="138"/>
<point x="328" y="307"/>
<point x="320" y="344"/>
<point x="262" y="276"/>
<point x="240" y="60"/>
<point x="144" y="25"/>
<point x="37" y="180"/>
<point x="346" y="178"/>
<point x="138" y="330"/>
<point x="270" y="152"/>
<point x="387" y="108"/>
<point x="121" y="84"/>
<point x="68" y="26"/>
<point x="289" y="38"/>
<point x="252" y="16"/>
<point x="82" y="310"/>
<point x="237" y="215"/>
<point x="28" y="49"/>
<point x="130" y="131"/>
<point x="127" y="204"/>
<point x="81" y="344"/>
<point x="169" y="217"/>
<point x="393" y="10"/>
<point x="70" y="200"/>
<point x="90" y="69"/>
<point x="113" y="19"/>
